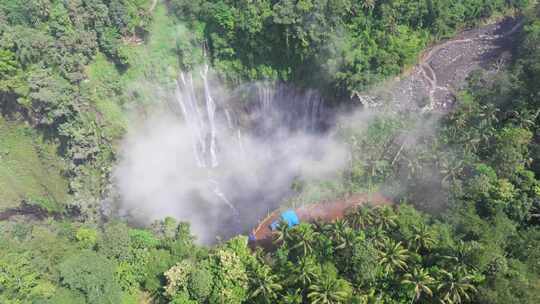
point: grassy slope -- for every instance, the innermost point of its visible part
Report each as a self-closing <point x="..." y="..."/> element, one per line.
<point x="155" y="60"/>
<point x="152" y="67"/>
<point x="29" y="168"/>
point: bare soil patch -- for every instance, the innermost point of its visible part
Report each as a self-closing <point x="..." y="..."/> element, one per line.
<point x="328" y="211"/>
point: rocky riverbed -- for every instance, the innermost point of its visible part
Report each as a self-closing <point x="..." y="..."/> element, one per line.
<point x="433" y="83"/>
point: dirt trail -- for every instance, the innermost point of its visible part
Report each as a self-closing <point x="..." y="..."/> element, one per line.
<point x="442" y="70"/>
<point x="326" y="211"/>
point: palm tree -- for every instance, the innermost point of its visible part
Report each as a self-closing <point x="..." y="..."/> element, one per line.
<point x="369" y="4"/>
<point x="461" y="254"/>
<point x="485" y="128"/>
<point x="292" y="297"/>
<point x="322" y="227"/>
<point x="378" y="235"/>
<point x="422" y="238"/>
<point x="455" y="288"/>
<point x="369" y="298"/>
<point x="264" y="284"/>
<point x="340" y="225"/>
<point x="393" y="256"/>
<point x="329" y="290"/>
<point x="304" y="272"/>
<point x="282" y="233"/>
<point x="348" y="238"/>
<point x="304" y="238"/>
<point x="451" y="168"/>
<point x="361" y="217"/>
<point x="420" y="280"/>
<point x="342" y="235"/>
<point x="525" y="118"/>
<point x="385" y="217"/>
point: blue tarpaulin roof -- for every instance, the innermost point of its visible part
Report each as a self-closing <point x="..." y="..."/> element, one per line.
<point x="288" y="217"/>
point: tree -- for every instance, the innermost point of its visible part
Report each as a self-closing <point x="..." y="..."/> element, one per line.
<point x="364" y="264"/>
<point x="115" y="241"/>
<point x="303" y="238"/>
<point x="393" y="256"/>
<point x="304" y="272"/>
<point x="361" y="218"/>
<point x="50" y="97"/>
<point x="510" y="151"/>
<point x="158" y="261"/>
<point x="329" y="289"/>
<point x="230" y="278"/>
<point x="91" y="274"/>
<point x="264" y="284"/>
<point x="422" y="238"/>
<point x="385" y="217"/>
<point x="200" y="284"/>
<point x="142" y="239"/>
<point x="8" y="64"/>
<point x="177" y="278"/>
<point x="455" y="288"/>
<point x="87" y="237"/>
<point x="20" y="281"/>
<point x="420" y="281"/>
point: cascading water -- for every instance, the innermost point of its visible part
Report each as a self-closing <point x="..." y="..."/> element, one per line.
<point x="283" y="106"/>
<point x="186" y="99"/>
<point x="211" y="110"/>
<point x="203" y="128"/>
<point x="254" y="125"/>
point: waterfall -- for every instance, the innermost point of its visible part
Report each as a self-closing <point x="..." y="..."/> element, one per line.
<point x="203" y="129"/>
<point x="284" y="106"/>
<point x="211" y="110"/>
<point x="244" y="145"/>
<point x="190" y="110"/>
<point x="217" y="190"/>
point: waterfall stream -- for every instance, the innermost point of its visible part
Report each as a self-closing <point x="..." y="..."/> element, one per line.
<point x="270" y="113"/>
<point x="202" y="127"/>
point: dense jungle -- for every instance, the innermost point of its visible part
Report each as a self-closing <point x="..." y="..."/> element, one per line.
<point x="143" y="141"/>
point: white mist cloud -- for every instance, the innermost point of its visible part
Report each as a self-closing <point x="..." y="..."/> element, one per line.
<point x="158" y="177"/>
<point x="157" y="174"/>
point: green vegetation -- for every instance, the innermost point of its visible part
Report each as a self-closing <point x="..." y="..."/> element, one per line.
<point x="71" y="71"/>
<point x="341" y="45"/>
<point x="30" y="169"/>
<point x="45" y="48"/>
<point x="465" y="225"/>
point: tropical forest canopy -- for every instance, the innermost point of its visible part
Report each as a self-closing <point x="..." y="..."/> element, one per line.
<point x="465" y="230"/>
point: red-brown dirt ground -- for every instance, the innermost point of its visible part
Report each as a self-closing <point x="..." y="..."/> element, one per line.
<point x="326" y="211"/>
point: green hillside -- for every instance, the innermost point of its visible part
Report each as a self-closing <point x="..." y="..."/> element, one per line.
<point x="30" y="168"/>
